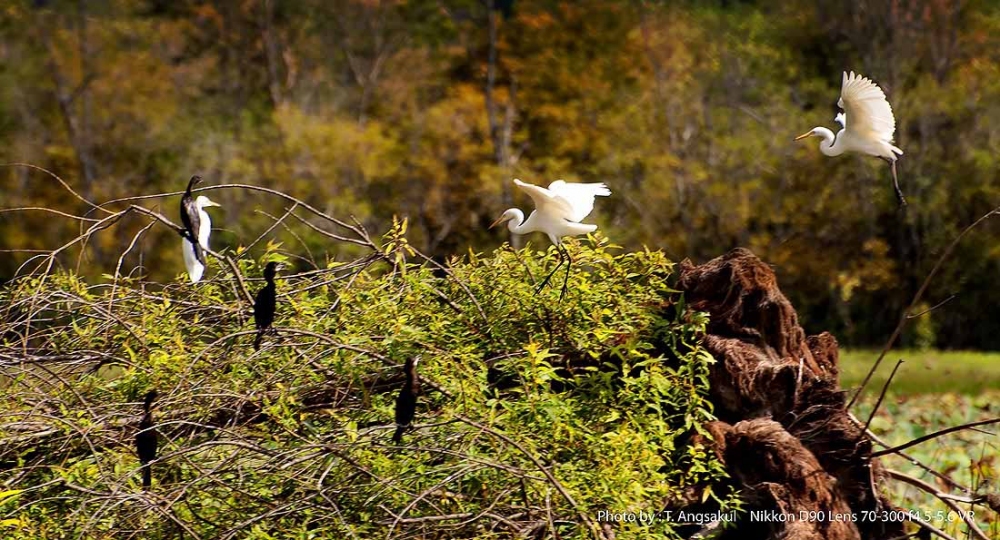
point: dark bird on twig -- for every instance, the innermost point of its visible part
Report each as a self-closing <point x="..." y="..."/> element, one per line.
<point x="264" y="304"/>
<point x="195" y="268"/>
<point x="145" y="440"/>
<point x="191" y="219"/>
<point x="406" y="401"/>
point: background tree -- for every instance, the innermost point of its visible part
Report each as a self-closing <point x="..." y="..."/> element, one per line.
<point x="427" y="109"/>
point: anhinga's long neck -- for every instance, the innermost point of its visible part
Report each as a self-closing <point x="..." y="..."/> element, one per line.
<point x="191" y="183"/>
<point x="147" y="416"/>
<point x="410" y="369"/>
<point x="148" y="401"/>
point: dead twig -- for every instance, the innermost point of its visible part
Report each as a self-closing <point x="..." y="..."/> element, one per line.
<point x="934" y="435"/>
<point x="881" y="395"/>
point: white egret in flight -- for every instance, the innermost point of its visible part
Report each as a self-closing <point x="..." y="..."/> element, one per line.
<point x="195" y="267"/>
<point x="558" y="211"/>
<point x="868" y="125"/>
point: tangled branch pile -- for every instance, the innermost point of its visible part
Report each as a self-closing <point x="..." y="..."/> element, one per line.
<point x="784" y="431"/>
<point x="535" y="415"/>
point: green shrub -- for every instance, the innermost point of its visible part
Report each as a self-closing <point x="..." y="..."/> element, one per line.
<point x="535" y="414"/>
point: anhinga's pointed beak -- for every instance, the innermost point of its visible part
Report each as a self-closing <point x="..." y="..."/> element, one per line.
<point x="497" y="222"/>
<point x="803" y="136"/>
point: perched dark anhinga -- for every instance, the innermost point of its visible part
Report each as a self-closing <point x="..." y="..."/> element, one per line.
<point x="191" y="219"/>
<point x="197" y="229"/>
<point x="145" y="440"/>
<point x="406" y="401"/>
<point x="264" y="304"/>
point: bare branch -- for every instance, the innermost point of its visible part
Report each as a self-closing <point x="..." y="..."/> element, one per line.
<point x="934" y="435"/>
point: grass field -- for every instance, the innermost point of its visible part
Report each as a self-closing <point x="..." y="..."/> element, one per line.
<point x="934" y="390"/>
<point x="924" y="372"/>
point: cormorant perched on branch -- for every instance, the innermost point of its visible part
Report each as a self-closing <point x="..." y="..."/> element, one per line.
<point x="191" y="219"/>
<point x="406" y="402"/>
<point x="196" y="268"/>
<point x="264" y="304"/>
<point x="145" y="440"/>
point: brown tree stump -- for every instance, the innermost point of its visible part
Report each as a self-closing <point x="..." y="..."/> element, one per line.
<point x="784" y="432"/>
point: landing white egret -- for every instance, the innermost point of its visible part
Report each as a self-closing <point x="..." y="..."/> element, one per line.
<point x="196" y="267"/>
<point x="868" y="125"/>
<point x="558" y="211"/>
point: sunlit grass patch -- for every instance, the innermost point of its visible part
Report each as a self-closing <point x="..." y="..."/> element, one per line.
<point x="923" y="372"/>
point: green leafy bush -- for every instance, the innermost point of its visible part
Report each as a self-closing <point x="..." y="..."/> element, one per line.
<point x="536" y="413"/>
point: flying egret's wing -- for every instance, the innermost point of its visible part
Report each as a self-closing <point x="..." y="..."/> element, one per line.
<point x="545" y="200"/>
<point x="579" y="197"/>
<point x="867" y="109"/>
<point x="841" y="119"/>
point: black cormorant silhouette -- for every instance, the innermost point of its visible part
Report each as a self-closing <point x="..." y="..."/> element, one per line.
<point x="264" y="304"/>
<point x="145" y="440"/>
<point x="191" y="219"/>
<point x="406" y="401"/>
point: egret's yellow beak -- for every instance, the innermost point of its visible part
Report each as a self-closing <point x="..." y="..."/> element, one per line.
<point x="212" y="203"/>
<point x="803" y="136"/>
<point x="497" y="222"/>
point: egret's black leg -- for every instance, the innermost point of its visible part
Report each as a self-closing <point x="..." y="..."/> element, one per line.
<point x="895" y="184"/>
<point x="569" y="264"/>
<point x="554" y="270"/>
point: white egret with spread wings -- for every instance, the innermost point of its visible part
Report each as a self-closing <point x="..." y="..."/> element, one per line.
<point x="558" y="211"/>
<point x="868" y="125"/>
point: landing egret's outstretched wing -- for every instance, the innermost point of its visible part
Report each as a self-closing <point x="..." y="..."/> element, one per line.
<point x="867" y="109"/>
<point x="579" y="197"/>
<point x="546" y="201"/>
